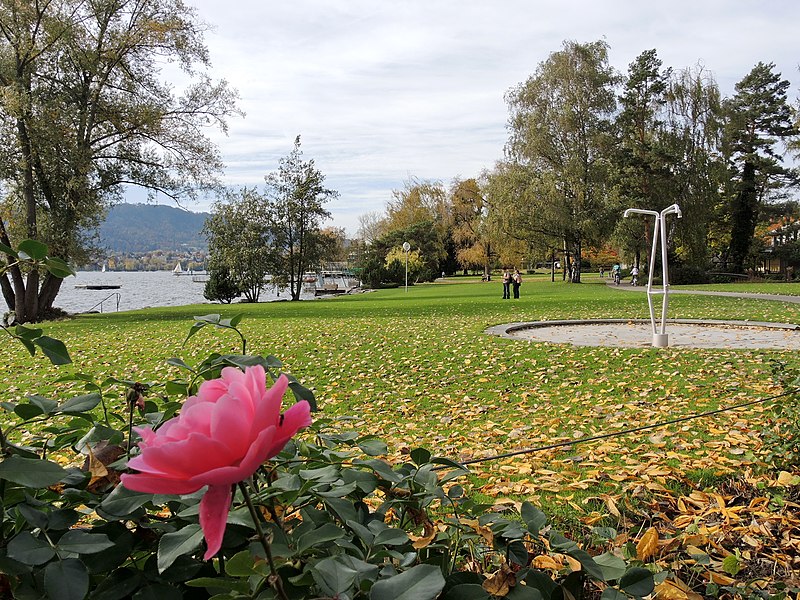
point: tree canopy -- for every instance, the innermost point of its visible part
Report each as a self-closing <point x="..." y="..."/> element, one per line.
<point x="85" y="112"/>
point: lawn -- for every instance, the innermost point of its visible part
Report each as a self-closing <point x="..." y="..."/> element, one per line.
<point x="416" y="369"/>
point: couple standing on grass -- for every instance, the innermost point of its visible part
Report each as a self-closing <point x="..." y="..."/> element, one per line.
<point x="511" y="280"/>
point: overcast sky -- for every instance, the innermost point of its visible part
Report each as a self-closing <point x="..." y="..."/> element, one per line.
<point x="382" y="91"/>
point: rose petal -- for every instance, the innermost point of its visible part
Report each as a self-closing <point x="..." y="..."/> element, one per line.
<point x="214" y="508"/>
<point x="232" y="421"/>
<point x="183" y="459"/>
<point x="294" y="419"/>
<point x="150" y="484"/>
<point x="268" y="409"/>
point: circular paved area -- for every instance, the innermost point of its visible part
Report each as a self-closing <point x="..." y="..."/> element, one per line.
<point x="638" y="333"/>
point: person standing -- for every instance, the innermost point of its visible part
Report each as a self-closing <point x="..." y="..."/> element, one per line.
<point x="506" y="284"/>
<point x="516" y="281"/>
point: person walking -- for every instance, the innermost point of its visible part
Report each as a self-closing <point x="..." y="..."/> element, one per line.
<point x="506" y="284"/>
<point x="516" y="281"/>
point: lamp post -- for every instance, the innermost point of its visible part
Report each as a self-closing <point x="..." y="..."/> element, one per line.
<point x="660" y="337"/>
<point x="406" y="248"/>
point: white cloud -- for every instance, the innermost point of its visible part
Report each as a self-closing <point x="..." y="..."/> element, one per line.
<point x="380" y="91"/>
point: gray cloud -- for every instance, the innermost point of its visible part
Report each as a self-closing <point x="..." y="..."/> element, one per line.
<point x="381" y="91"/>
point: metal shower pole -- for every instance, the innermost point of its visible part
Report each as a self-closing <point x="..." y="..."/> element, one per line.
<point x="660" y="337"/>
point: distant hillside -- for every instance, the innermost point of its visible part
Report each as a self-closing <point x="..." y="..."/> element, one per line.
<point x="148" y="227"/>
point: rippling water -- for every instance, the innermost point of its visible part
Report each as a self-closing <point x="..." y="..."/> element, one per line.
<point x="138" y="289"/>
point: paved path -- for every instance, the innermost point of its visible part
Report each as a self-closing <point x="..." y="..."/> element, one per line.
<point x="775" y="297"/>
<point x="686" y="333"/>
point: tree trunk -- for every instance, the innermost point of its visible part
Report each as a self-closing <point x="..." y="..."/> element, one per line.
<point x="576" y="261"/>
<point x="47" y="295"/>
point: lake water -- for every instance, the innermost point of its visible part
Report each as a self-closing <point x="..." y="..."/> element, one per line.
<point x="138" y="289"/>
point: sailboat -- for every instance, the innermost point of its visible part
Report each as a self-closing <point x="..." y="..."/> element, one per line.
<point x="178" y="270"/>
<point x="103" y="270"/>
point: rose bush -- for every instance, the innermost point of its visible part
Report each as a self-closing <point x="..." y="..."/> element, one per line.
<point x="222" y="435"/>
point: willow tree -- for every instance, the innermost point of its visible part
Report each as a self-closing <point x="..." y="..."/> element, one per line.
<point x="559" y="132"/>
<point x="84" y="112"/>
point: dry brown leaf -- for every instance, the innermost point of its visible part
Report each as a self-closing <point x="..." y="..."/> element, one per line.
<point x="428" y="535"/>
<point x="648" y="545"/>
<point x="500" y="582"/>
<point x="545" y="561"/>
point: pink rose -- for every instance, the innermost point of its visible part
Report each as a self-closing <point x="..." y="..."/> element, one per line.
<point x="222" y="435"/>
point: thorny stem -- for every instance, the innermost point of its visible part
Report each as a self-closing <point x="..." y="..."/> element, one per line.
<point x="274" y="579"/>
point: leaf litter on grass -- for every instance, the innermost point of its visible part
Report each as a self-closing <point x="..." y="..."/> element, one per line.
<point x="431" y="378"/>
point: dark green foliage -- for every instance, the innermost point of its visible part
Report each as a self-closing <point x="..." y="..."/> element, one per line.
<point x="221" y="287"/>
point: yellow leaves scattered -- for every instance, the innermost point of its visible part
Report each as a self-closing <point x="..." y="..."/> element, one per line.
<point x="675" y="589"/>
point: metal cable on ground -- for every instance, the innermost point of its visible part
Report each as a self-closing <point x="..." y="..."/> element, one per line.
<point x="603" y="436"/>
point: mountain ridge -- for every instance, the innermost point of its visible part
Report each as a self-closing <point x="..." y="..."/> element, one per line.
<point x="135" y="228"/>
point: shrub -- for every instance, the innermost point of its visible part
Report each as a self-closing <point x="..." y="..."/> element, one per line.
<point x="221" y="286"/>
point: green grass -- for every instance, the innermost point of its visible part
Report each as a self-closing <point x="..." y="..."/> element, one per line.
<point x="416" y="369"/>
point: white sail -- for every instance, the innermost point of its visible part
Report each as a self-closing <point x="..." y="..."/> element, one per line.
<point x="177" y="270"/>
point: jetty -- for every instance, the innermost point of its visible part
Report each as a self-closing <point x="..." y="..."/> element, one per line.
<point x="89" y="286"/>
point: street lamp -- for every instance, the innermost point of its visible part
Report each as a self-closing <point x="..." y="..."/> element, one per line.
<point x="406" y="248"/>
<point x="660" y="337"/>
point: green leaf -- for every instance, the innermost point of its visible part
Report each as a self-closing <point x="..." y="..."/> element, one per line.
<point x="612" y="594"/>
<point x="637" y="582"/>
<point x="27" y="411"/>
<point x="121" y="502"/>
<point x="30" y="550"/>
<point x="79" y="404"/>
<point x="53" y="349"/>
<point x="219" y="583"/>
<point x="613" y="566"/>
<point x="8" y="250"/>
<point x="36" y="518"/>
<point x="423" y="582"/>
<point x="212" y="319"/>
<point x="46" y="405"/>
<point x="420" y="456"/>
<point x="467" y="591"/>
<point x="240" y="564"/>
<point x="193" y="329"/>
<point x="301" y="392"/>
<point x="82" y="542"/>
<point x="731" y="564"/>
<point x="173" y="545"/>
<point x="523" y="592"/>
<point x="118" y="585"/>
<point x="31" y="472"/>
<point x="327" y="533"/>
<point x="27" y="333"/>
<point x="177" y="362"/>
<point x="534" y="518"/>
<point x="390" y="537"/>
<point x="541" y="581"/>
<point x="32" y="250"/>
<point x="58" y="268"/>
<point x="333" y="577"/>
<point x="518" y="553"/>
<point x="372" y="446"/>
<point x="66" y="579"/>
